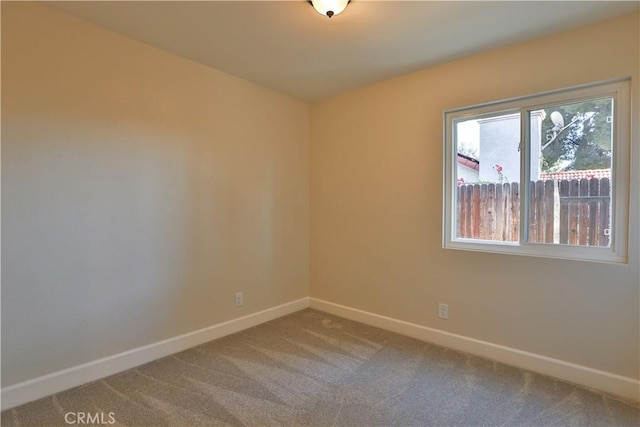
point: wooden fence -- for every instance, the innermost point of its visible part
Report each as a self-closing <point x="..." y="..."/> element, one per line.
<point x="575" y="212"/>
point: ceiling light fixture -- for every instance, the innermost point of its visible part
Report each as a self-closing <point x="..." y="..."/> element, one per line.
<point x="329" y="7"/>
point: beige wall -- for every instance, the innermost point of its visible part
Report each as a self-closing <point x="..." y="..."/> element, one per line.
<point x="376" y="209"/>
<point x="140" y="191"/>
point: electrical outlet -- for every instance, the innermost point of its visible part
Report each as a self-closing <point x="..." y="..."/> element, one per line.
<point x="239" y="299"/>
<point x="443" y="311"/>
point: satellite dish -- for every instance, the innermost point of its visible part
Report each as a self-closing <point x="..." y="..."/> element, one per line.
<point x="558" y="120"/>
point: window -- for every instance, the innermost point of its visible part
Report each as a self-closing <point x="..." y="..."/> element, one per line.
<point x="543" y="175"/>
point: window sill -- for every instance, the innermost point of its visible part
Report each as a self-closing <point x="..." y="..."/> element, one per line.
<point x="540" y="250"/>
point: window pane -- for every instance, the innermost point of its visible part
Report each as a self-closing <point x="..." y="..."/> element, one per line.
<point x="487" y="174"/>
<point x="570" y="194"/>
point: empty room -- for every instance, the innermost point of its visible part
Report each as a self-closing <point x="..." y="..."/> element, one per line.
<point x="327" y="213"/>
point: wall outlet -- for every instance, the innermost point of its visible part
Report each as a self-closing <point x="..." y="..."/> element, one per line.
<point x="239" y="299"/>
<point x="443" y="311"/>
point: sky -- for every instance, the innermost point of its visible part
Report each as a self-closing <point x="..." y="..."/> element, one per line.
<point x="468" y="133"/>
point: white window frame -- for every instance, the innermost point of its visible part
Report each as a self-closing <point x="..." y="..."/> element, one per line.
<point x="619" y="90"/>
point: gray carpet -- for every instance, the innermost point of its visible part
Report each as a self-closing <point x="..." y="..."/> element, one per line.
<point x="311" y="368"/>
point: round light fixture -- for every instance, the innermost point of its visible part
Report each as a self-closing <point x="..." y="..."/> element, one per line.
<point x="329" y="7"/>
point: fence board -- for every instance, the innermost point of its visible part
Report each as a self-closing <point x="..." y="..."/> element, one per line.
<point x="515" y="212"/>
<point x="462" y="211"/>
<point x="594" y="192"/>
<point x="532" y="211"/>
<point x="490" y="225"/>
<point x="492" y="211"/>
<point x="583" y="223"/>
<point x="605" y="212"/>
<point x="564" y="212"/>
<point x="500" y="211"/>
<point x="475" y="232"/>
<point x="482" y="218"/>
<point x="539" y="213"/>
<point x="574" y="190"/>
<point x="549" y="210"/>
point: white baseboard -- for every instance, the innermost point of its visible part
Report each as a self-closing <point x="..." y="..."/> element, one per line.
<point x="628" y="388"/>
<point x="55" y="382"/>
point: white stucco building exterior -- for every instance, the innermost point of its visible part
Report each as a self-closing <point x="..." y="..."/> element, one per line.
<point x="499" y="146"/>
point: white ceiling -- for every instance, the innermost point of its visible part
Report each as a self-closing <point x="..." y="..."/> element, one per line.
<point x="287" y="46"/>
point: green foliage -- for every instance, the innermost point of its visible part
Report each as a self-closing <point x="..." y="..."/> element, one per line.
<point x="584" y="142"/>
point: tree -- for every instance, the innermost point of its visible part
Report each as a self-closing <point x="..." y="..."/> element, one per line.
<point x="468" y="149"/>
<point x="577" y="136"/>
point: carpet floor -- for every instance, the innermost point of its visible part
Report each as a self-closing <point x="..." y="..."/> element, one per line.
<point x="315" y="369"/>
